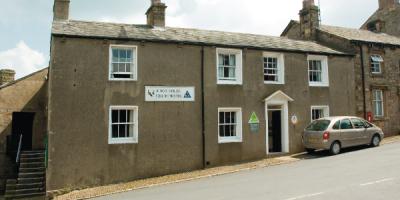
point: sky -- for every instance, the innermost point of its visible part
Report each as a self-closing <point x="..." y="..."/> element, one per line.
<point x="25" y="24"/>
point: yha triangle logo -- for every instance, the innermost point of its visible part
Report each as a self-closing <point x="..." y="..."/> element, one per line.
<point x="187" y="95"/>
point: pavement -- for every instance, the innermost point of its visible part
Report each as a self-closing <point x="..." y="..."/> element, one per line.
<point x="358" y="173"/>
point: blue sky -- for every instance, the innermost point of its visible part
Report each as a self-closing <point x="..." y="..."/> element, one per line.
<point x="25" y="24"/>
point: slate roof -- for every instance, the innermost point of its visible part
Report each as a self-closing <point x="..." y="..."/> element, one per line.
<point x="182" y="35"/>
<point x="361" y="35"/>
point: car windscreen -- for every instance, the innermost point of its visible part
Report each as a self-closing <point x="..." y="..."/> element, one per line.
<point x="318" y="125"/>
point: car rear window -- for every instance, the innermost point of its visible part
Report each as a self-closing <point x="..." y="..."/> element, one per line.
<point x="318" y="125"/>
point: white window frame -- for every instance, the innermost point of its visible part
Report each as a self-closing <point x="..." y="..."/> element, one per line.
<point x="376" y="60"/>
<point x="280" y="67"/>
<point x="325" y="109"/>
<point x="127" y="140"/>
<point x="374" y="101"/>
<point x="238" y="68"/>
<point x="324" y="68"/>
<point x="134" y="62"/>
<point x="238" y="137"/>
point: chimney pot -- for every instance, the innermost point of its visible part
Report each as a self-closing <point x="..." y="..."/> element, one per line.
<point x="308" y="3"/>
<point x="6" y="76"/>
<point x="388" y="4"/>
<point x="61" y="9"/>
<point x="156" y="14"/>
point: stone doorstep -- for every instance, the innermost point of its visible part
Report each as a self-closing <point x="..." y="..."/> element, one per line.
<point x="169" y="179"/>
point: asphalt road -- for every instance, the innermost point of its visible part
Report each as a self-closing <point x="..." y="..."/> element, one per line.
<point x="358" y="173"/>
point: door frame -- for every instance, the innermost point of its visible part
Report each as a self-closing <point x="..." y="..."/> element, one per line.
<point x="279" y="99"/>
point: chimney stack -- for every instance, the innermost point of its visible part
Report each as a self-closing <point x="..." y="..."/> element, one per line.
<point x="156" y="14"/>
<point x="388" y="4"/>
<point x="309" y="20"/>
<point x="6" y="76"/>
<point x="61" y="10"/>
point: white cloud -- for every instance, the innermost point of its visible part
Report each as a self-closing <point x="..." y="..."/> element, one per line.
<point x="22" y="59"/>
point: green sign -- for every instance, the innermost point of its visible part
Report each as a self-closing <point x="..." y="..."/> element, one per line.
<point x="254" y="119"/>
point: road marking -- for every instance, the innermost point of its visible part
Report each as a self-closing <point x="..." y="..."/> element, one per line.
<point x="377" y="182"/>
<point x="305" y="196"/>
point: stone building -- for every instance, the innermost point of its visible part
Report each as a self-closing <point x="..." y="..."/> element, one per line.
<point x="134" y="101"/>
<point x="386" y="19"/>
<point x="376" y="62"/>
<point x="22" y="112"/>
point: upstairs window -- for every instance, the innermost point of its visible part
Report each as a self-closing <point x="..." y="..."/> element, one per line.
<point x="376" y="64"/>
<point x="318" y="71"/>
<point x="123" y="63"/>
<point x="377" y="101"/>
<point x="229" y="125"/>
<point x="273" y="68"/>
<point x="229" y="66"/>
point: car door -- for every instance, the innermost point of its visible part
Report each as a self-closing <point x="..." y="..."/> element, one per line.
<point x="348" y="138"/>
<point x="360" y="132"/>
<point x="369" y="132"/>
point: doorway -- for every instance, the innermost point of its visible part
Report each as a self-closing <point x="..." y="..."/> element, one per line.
<point x="22" y="124"/>
<point x="275" y="130"/>
<point x="277" y="122"/>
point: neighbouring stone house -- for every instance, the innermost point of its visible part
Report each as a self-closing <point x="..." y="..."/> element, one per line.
<point x="22" y="111"/>
<point x="386" y="19"/>
<point x="376" y="62"/>
<point x="134" y="101"/>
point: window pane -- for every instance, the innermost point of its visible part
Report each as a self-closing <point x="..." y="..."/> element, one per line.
<point x="336" y="126"/>
<point x="122" y="55"/>
<point x="115" y="67"/>
<point x="228" y="117"/>
<point x="233" y="117"/>
<point x="122" y="130"/>
<point x="221" y="131"/>
<point x="130" y="130"/>
<point x="114" y="116"/>
<point x="221" y="117"/>
<point x="114" y="131"/>
<point x="121" y="67"/>
<point x="114" y="55"/>
<point x="345" y="124"/>
<point x="128" y="67"/>
<point x="122" y="116"/>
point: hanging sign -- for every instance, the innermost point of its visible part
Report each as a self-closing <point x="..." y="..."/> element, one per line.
<point x="169" y="94"/>
<point x="254" y="123"/>
<point x="254" y="119"/>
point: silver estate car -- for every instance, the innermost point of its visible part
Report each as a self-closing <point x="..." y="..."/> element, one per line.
<point x="335" y="133"/>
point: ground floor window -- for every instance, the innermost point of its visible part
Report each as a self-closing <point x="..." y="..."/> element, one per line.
<point x="377" y="101"/>
<point x="123" y="124"/>
<point x="229" y="125"/>
<point x="318" y="112"/>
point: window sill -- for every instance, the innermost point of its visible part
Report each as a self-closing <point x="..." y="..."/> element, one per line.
<point x="123" y="141"/>
<point x="229" y="140"/>
<point x="273" y="83"/>
<point x="229" y="83"/>
<point x="318" y="84"/>
<point x="122" y="79"/>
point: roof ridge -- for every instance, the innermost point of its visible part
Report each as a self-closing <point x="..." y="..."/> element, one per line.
<point x="22" y="78"/>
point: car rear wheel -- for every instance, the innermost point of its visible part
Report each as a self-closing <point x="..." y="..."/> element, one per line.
<point x="376" y="140"/>
<point x="335" y="148"/>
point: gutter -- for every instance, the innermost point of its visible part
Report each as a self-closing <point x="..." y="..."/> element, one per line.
<point x="205" y="44"/>
<point x="203" y="131"/>
<point x="363" y="81"/>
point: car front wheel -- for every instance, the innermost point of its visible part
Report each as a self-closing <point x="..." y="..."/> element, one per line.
<point x="376" y="140"/>
<point x="335" y="148"/>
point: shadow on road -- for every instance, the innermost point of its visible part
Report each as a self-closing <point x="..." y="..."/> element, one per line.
<point x="325" y="153"/>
